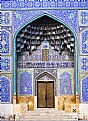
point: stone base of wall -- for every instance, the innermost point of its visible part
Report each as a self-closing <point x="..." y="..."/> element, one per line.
<point x="29" y="100"/>
<point x="62" y="100"/>
<point x="22" y="104"/>
<point x="83" y="111"/>
<point x="10" y="110"/>
<point x="71" y="108"/>
<point x="6" y="111"/>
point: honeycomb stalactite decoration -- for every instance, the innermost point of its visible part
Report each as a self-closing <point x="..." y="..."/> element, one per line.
<point x="45" y="29"/>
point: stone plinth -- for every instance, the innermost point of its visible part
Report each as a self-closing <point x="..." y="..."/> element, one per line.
<point x="28" y="100"/>
<point x="17" y="109"/>
<point x="75" y="108"/>
<point x="24" y="108"/>
<point x="67" y="107"/>
<point x="6" y="110"/>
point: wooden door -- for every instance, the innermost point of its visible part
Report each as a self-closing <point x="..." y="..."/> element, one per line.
<point x="45" y="94"/>
<point x="50" y="94"/>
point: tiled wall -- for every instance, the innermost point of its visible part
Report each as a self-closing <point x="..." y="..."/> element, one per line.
<point x="37" y="4"/>
<point x="11" y="21"/>
<point x="25" y="81"/>
<point x="83" y="55"/>
<point x="66" y="82"/>
<point x="6" y="51"/>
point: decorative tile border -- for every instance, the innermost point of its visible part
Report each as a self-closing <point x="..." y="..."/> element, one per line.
<point x="44" y="4"/>
<point x="62" y="76"/>
<point x="6" y="18"/>
<point x="5" y="95"/>
<point x="25" y="81"/>
<point x="6" y="64"/>
<point x="84" y="64"/>
<point x="83" y="17"/>
<point x="68" y="17"/>
<point x="65" y="84"/>
<point x="84" y="42"/>
<point x="51" y="71"/>
<point x="84" y="89"/>
<point x="5" y="43"/>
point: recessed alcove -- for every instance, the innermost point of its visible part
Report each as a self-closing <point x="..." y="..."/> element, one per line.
<point x="46" y="44"/>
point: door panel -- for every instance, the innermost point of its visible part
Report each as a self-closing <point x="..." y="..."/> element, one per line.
<point x="50" y="94"/>
<point x="45" y="95"/>
<point x="41" y="94"/>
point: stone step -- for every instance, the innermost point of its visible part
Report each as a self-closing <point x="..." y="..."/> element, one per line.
<point x="47" y="120"/>
<point x="47" y="115"/>
<point x="48" y="112"/>
<point x="51" y="114"/>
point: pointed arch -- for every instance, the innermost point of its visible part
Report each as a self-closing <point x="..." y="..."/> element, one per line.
<point x="55" y="19"/>
<point x="48" y="75"/>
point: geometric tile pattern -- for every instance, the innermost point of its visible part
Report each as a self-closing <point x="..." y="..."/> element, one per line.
<point x="5" y="89"/>
<point x="84" y="15"/>
<point x="46" y="77"/>
<point x="7" y="28"/>
<point x="25" y="83"/>
<point x="51" y="37"/>
<point x="84" y="64"/>
<point x="40" y="71"/>
<point x="6" y="64"/>
<point x="6" y="18"/>
<point x="36" y="4"/>
<point x="65" y="84"/>
<point x="5" y="42"/>
<point x="84" y="39"/>
<point x="69" y="17"/>
<point x="85" y="89"/>
<point x="36" y="56"/>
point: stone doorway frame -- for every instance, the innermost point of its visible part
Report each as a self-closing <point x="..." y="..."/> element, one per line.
<point x="36" y="80"/>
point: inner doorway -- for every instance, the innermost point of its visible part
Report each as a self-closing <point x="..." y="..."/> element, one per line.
<point x="45" y="94"/>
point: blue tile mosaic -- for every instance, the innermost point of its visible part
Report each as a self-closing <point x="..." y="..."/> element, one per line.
<point x="84" y="20"/>
<point x="5" y="89"/>
<point x="25" y="81"/>
<point x="35" y="4"/>
<point x="6" y="64"/>
<point x="69" y="17"/>
<point x="84" y="39"/>
<point x="46" y="77"/>
<point x="84" y="64"/>
<point x="5" y="18"/>
<point x="7" y="28"/>
<point x="85" y="89"/>
<point x="65" y="84"/>
<point x="5" y="42"/>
